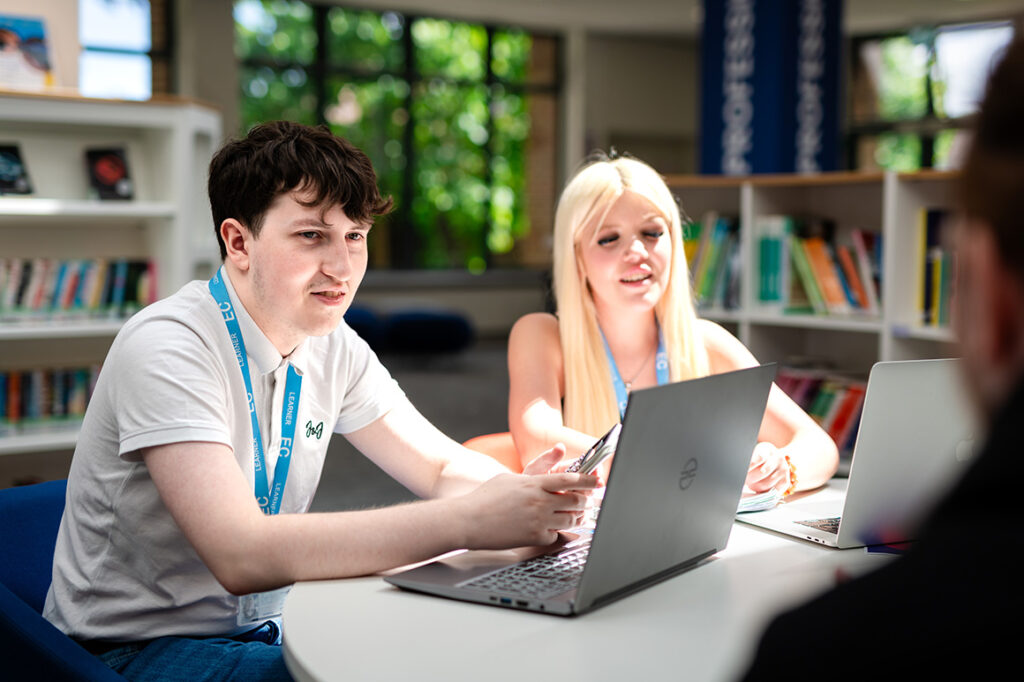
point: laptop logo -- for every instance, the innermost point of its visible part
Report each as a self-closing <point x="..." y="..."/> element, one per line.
<point x="965" y="450"/>
<point x="688" y="473"/>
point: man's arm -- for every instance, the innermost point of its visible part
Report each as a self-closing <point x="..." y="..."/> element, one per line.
<point x="247" y="551"/>
<point x="416" y="454"/>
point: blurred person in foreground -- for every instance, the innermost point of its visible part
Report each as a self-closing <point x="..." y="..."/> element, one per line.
<point x="951" y="604"/>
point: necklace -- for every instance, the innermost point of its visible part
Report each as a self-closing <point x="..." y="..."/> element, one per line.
<point x="629" y="384"/>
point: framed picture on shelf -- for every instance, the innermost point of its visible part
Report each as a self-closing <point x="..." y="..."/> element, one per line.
<point x="108" y="173"/>
<point x="13" y="173"/>
<point x="25" y="62"/>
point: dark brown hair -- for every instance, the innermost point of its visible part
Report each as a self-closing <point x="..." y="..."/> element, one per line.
<point x="992" y="182"/>
<point x="247" y="174"/>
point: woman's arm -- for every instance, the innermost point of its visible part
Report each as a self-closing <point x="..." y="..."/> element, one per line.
<point x="536" y="387"/>
<point x="787" y="431"/>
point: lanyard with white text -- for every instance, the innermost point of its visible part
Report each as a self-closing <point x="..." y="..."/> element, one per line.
<point x="660" y="367"/>
<point x="269" y="501"/>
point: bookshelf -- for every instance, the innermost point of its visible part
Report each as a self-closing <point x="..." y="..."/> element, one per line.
<point x="167" y="144"/>
<point x="889" y="204"/>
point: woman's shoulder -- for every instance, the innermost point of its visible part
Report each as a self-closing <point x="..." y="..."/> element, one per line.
<point x="725" y="351"/>
<point x="713" y="334"/>
<point x="536" y="325"/>
<point x="535" y="335"/>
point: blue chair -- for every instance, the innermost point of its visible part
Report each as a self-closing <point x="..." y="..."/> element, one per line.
<point x="30" y="647"/>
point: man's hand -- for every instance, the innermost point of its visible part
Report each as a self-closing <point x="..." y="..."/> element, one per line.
<point x="513" y="510"/>
<point x="768" y="469"/>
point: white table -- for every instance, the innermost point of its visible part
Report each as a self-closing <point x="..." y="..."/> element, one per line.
<point x="700" y="625"/>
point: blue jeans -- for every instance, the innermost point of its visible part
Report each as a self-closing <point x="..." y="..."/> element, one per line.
<point x="254" y="656"/>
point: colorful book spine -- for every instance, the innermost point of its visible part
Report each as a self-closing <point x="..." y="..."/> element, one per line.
<point x="930" y="222"/>
<point x="841" y="423"/>
<point x="701" y="259"/>
<point x="823" y="268"/>
<point x="946" y="290"/>
<point x="806" y="275"/>
<point x="774" y="233"/>
<point x="863" y="246"/>
<point x="849" y="267"/>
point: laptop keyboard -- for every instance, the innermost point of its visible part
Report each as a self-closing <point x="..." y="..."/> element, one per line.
<point x="540" y="577"/>
<point x="829" y="525"/>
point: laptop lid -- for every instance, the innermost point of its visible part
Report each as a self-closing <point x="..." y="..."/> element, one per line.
<point x="675" y="481"/>
<point x="917" y="433"/>
<point x="671" y="495"/>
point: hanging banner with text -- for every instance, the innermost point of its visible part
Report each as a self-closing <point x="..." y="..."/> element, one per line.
<point x="770" y="87"/>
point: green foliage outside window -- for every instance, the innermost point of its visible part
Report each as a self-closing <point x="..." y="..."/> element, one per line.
<point x="898" y="152"/>
<point x="446" y="136"/>
<point x="901" y="89"/>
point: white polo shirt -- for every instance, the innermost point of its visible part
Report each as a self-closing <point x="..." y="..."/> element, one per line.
<point x="122" y="568"/>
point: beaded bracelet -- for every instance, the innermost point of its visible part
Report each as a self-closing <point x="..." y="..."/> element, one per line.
<point x="792" y="477"/>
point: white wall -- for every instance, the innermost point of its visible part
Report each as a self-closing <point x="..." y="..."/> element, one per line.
<point x="643" y="91"/>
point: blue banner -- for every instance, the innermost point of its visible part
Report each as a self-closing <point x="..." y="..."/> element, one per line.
<point x="770" y="86"/>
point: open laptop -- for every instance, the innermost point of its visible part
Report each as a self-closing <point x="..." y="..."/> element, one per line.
<point x="669" y="503"/>
<point x="916" y="435"/>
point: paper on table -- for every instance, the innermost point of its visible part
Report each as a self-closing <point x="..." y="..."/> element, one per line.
<point x="759" y="502"/>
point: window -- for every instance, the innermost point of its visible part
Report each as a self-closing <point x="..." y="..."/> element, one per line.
<point x="124" y="53"/>
<point x="458" y="119"/>
<point x="912" y="94"/>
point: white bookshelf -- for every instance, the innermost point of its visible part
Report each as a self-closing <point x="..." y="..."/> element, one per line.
<point x="168" y="144"/>
<point x="888" y="203"/>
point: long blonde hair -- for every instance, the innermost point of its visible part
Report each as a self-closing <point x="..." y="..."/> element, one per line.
<point x="589" y="403"/>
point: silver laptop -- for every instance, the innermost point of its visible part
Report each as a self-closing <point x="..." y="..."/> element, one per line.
<point x="669" y="504"/>
<point x="916" y="435"/>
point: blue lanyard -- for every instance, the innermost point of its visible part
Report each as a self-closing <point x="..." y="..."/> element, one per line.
<point x="269" y="500"/>
<point x="660" y="367"/>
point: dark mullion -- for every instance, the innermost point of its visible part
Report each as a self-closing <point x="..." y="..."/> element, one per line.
<point x="489" y="82"/>
<point x="319" y="65"/>
<point x="166" y="52"/>
<point x="927" y="159"/>
<point x="404" y="238"/>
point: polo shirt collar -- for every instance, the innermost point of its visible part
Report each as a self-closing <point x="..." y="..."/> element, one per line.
<point x="263" y="355"/>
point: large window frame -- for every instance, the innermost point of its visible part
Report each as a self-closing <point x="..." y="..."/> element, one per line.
<point x="403" y="242"/>
<point x="159" y="54"/>
<point x="930" y="124"/>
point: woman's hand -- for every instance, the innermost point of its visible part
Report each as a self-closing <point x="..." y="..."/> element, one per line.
<point x="768" y="469"/>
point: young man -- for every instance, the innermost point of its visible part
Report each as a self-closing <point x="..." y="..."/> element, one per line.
<point x="184" y="524"/>
<point x="952" y="604"/>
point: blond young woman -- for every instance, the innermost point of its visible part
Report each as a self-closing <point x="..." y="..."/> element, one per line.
<point x="625" y="320"/>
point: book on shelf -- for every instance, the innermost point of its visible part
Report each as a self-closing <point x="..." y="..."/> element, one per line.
<point x="867" y="246"/>
<point x="833" y="400"/>
<point x="25" y="61"/>
<point x="801" y="267"/>
<point x="936" y="267"/>
<point x="772" y="235"/>
<point x="691" y="239"/>
<point x="39" y="289"/>
<point x="826" y="274"/>
<point x="715" y="266"/>
<point x="844" y="254"/>
<point x="13" y="172"/>
<point x="805" y="276"/>
<point x="108" y="173"/>
<point x="44" y="400"/>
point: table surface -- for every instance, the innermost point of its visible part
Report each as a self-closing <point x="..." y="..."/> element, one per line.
<point x="700" y="625"/>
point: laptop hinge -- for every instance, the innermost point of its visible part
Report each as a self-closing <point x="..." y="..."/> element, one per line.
<point x="646" y="582"/>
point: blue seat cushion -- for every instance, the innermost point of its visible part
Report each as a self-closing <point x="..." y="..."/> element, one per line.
<point x="33" y="649"/>
<point x="29" y="518"/>
<point x="425" y="331"/>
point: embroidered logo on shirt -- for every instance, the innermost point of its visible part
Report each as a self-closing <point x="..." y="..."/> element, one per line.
<point x="317" y="430"/>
